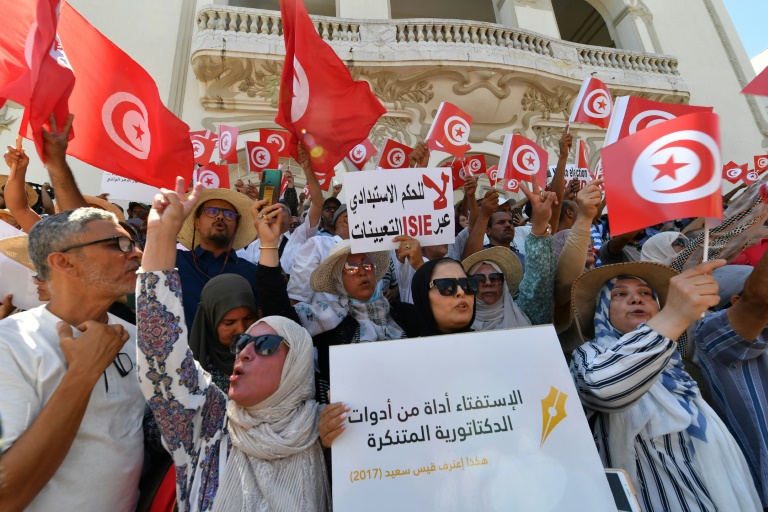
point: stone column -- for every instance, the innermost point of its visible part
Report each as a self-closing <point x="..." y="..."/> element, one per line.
<point x="536" y="15"/>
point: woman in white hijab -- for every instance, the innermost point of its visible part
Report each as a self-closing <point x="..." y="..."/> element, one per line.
<point x="663" y="247"/>
<point x="500" y="274"/>
<point x="258" y="448"/>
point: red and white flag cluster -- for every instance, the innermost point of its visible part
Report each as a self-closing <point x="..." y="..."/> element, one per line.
<point x="521" y="160"/>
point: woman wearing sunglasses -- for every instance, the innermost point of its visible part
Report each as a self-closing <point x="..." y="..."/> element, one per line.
<point x="361" y="314"/>
<point x="257" y="447"/>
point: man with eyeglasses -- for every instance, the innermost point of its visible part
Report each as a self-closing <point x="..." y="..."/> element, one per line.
<point x="219" y="227"/>
<point x="71" y="404"/>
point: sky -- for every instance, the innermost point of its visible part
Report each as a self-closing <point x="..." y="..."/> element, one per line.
<point x="751" y="20"/>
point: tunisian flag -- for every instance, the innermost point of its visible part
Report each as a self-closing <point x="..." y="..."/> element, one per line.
<point x="631" y="114"/>
<point x="665" y="172"/>
<point x="360" y="154"/>
<point x="25" y="39"/>
<point x="394" y="155"/>
<point x="493" y="175"/>
<point x="758" y="86"/>
<point x="280" y="138"/>
<point x="203" y="144"/>
<point x="228" y="143"/>
<point x="733" y="172"/>
<point x="521" y="159"/>
<point x="582" y="154"/>
<point x="474" y="164"/>
<point x="450" y="130"/>
<point x="122" y="125"/>
<point x="761" y="163"/>
<point x="749" y="177"/>
<point x="212" y="175"/>
<point x="593" y="104"/>
<point x="320" y="104"/>
<point x="261" y="156"/>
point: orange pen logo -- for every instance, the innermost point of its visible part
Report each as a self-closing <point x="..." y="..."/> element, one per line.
<point x="552" y="412"/>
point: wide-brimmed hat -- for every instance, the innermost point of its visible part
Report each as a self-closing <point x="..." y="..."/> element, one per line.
<point x="17" y="248"/>
<point x="101" y="204"/>
<point x="246" y="232"/>
<point x="586" y="287"/>
<point x="507" y="261"/>
<point x="32" y="196"/>
<point x="322" y="279"/>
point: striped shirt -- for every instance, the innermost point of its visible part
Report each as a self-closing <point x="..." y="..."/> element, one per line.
<point x="737" y="373"/>
<point x="613" y="380"/>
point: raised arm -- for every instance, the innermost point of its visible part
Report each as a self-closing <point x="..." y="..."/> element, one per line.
<point x="487" y="207"/>
<point x="15" y="193"/>
<point x="558" y="180"/>
<point x="55" y="144"/>
<point x="315" y="192"/>
<point x="749" y="315"/>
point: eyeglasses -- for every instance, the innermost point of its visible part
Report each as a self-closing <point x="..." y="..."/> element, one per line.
<point x="494" y="278"/>
<point x="352" y="268"/>
<point x="213" y="212"/>
<point x="124" y="243"/>
<point x="124" y="366"/>
<point x="264" y="345"/>
<point x="37" y="277"/>
<point x="330" y="209"/>
<point x="680" y="242"/>
<point x="447" y="286"/>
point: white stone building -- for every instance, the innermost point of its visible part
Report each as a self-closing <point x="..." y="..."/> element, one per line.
<point x="514" y="65"/>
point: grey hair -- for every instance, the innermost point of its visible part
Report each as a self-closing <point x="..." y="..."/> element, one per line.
<point x="56" y="232"/>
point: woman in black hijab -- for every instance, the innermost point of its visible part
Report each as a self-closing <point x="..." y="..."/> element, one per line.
<point x="227" y="307"/>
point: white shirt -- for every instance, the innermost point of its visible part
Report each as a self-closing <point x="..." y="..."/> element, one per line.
<point x="306" y="259"/>
<point x="101" y="471"/>
<point x="404" y="273"/>
<point x="521" y="233"/>
<point x="299" y="236"/>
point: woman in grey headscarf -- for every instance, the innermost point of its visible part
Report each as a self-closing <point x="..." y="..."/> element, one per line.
<point x="256" y="448"/>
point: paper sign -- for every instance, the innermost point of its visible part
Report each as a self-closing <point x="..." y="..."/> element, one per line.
<point x="123" y="188"/>
<point x="573" y="172"/>
<point x="414" y="202"/>
<point x="478" y="421"/>
<point x="17" y="279"/>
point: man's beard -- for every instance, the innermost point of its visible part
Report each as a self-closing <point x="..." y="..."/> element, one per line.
<point x="220" y="240"/>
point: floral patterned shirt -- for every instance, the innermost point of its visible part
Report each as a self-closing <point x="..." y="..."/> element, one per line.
<point x="190" y="410"/>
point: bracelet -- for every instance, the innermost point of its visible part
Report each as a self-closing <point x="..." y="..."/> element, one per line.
<point x="545" y="234"/>
<point x="265" y="247"/>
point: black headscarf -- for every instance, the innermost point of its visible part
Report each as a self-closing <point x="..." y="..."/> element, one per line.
<point x="420" y="292"/>
<point x="220" y="295"/>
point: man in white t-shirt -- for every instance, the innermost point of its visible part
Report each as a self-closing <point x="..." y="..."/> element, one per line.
<point x="71" y="407"/>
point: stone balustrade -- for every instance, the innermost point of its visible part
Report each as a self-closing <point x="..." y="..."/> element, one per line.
<point x="413" y="41"/>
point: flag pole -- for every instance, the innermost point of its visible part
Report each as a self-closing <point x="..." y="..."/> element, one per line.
<point x="706" y="244"/>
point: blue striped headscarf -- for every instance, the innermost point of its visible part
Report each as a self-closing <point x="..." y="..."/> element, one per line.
<point x="674" y="377"/>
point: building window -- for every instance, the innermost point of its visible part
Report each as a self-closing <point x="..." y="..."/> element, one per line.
<point x="579" y="22"/>
<point x="476" y="10"/>
<point x="318" y="7"/>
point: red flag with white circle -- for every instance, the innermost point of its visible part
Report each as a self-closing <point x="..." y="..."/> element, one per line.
<point x="325" y="179"/>
<point x="360" y="154"/>
<point x="394" y="155"/>
<point x="734" y="172"/>
<point x="450" y="130"/>
<point x="475" y="164"/>
<point x="493" y="175"/>
<point x="459" y="173"/>
<point x="319" y="102"/>
<point x="281" y="138"/>
<point x="668" y="171"/>
<point x="761" y="163"/>
<point x="122" y="125"/>
<point x="593" y="104"/>
<point x="261" y="156"/>
<point x="632" y="114"/>
<point x="212" y="175"/>
<point x="228" y="143"/>
<point x="750" y="177"/>
<point x="203" y="144"/>
<point x="521" y="159"/>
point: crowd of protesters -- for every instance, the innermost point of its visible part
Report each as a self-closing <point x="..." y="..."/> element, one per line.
<point x="182" y="356"/>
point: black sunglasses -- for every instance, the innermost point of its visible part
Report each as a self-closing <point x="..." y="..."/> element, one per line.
<point x="352" y="268"/>
<point x="124" y="243"/>
<point x="213" y="212"/>
<point x="495" y="278"/>
<point x="264" y="345"/>
<point x="448" y="285"/>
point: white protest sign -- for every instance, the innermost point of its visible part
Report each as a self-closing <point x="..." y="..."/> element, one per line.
<point x="123" y="188"/>
<point x="384" y="204"/>
<point x="478" y="421"/>
<point x="573" y="172"/>
<point x="17" y="279"/>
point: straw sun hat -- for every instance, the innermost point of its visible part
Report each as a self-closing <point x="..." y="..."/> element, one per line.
<point x="31" y="194"/>
<point x="246" y="232"/>
<point x="507" y="261"/>
<point x="322" y="279"/>
<point x="17" y="248"/>
<point x="587" y="286"/>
